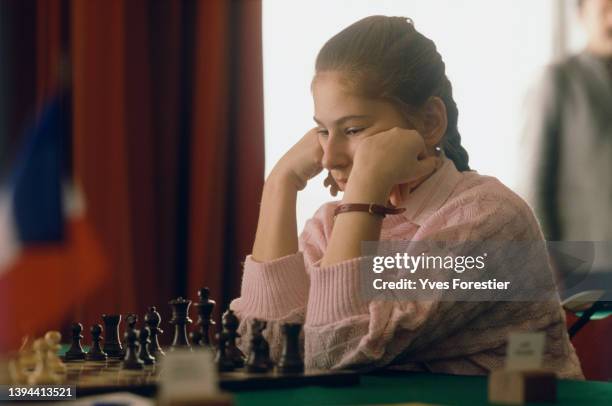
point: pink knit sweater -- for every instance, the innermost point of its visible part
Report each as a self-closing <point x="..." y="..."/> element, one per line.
<point x="343" y="331"/>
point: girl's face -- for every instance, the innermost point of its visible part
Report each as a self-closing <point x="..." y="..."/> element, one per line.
<point x="344" y="119"/>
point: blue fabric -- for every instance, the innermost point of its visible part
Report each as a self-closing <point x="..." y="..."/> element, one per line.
<point x="35" y="181"/>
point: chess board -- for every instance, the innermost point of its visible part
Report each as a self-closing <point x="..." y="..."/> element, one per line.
<point x="92" y="378"/>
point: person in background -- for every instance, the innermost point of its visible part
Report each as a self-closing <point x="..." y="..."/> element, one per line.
<point x="569" y="132"/>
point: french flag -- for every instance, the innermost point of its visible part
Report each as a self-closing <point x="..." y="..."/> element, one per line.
<point x="31" y="209"/>
<point x="50" y="257"/>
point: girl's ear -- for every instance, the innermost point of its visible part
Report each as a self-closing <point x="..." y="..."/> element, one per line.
<point x="434" y="122"/>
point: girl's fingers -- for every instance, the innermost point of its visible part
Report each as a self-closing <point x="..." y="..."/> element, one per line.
<point x="396" y="196"/>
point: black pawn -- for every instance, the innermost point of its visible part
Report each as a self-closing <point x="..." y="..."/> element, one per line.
<point x="180" y="319"/>
<point x="143" y="339"/>
<point x="205" y="309"/>
<point x="130" y="321"/>
<point x="196" y="338"/>
<point x="291" y="360"/>
<point x="75" y="352"/>
<point x="96" y="353"/>
<point x="223" y="360"/>
<point x="230" y="325"/>
<point x="112" y="346"/>
<point x="131" y="360"/>
<point x="153" y="319"/>
<point x="259" y="355"/>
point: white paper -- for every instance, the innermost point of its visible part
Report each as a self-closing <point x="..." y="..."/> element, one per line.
<point x="186" y="374"/>
<point x="525" y="351"/>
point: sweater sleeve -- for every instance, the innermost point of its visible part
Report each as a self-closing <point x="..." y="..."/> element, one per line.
<point x="277" y="291"/>
<point x="344" y="331"/>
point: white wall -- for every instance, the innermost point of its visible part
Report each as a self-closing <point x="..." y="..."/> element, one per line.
<point x="493" y="50"/>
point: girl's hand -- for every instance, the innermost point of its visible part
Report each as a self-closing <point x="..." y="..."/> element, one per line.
<point x="302" y="162"/>
<point x="394" y="157"/>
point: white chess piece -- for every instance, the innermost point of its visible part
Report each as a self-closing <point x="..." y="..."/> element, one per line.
<point x="27" y="356"/>
<point x="16" y="372"/>
<point x="52" y="339"/>
<point x="43" y="374"/>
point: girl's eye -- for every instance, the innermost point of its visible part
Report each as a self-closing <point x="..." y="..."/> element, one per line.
<point x="353" y="131"/>
<point x="322" y="132"/>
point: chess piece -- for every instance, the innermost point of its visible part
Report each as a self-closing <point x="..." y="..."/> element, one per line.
<point x="53" y="339"/>
<point x="96" y="353"/>
<point x="112" y="346"/>
<point x="75" y="352"/>
<point x="205" y="308"/>
<point x="259" y="355"/>
<point x="130" y="325"/>
<point x="17" y="372"/>
<point x="43" y="374"/>
<point x="143" y="339"/>
<point x="152" y="320"/>
<point x="27" y="355"/>
<point x="230" y="325"/>
<point x="180" y="319"/>
<point x="223" y="360"/>
<point x="196" y="338"/>
<point x="130" y="320"/>
<point x="131" y="360"/>
<point x="291" y="360"/>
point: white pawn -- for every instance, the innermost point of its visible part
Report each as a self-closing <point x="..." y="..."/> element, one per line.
<point x="52" y="339"/>
<point x="43" y="374"/>
<point x="17" y="373"/>
<point x="27" y="356"/>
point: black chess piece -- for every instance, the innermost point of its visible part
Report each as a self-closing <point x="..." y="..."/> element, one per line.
<point x="143" y="339"/>
<point x="153" y="319"/>
<point x="223" y="360"/>
<point x="130" y="320"/>
<point x="230" y="325"/>
<point x="96" y="353"/>
<point x="196" y="338"/>
<point x="130" y="325"/>
<point x="205" y="309"/>
<point x="180" y="319"/>
<point x="112" y="346"/>
<point x="131" y="360"/>
<point x="259" y="356"/>
<point x="291" y="360"/>
<point x="75" y="352"/>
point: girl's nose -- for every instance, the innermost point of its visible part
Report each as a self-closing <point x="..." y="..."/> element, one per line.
<point x="335" y="152"/>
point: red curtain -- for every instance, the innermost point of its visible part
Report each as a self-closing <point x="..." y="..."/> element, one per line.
<point x="227" y="171"/>
<point x="167" y="141"/>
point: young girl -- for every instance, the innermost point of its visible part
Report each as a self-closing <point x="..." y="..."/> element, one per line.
<point x="387" y="133"/>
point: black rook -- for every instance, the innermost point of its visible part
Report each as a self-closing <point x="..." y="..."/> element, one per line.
<point x="180" y="319"/>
